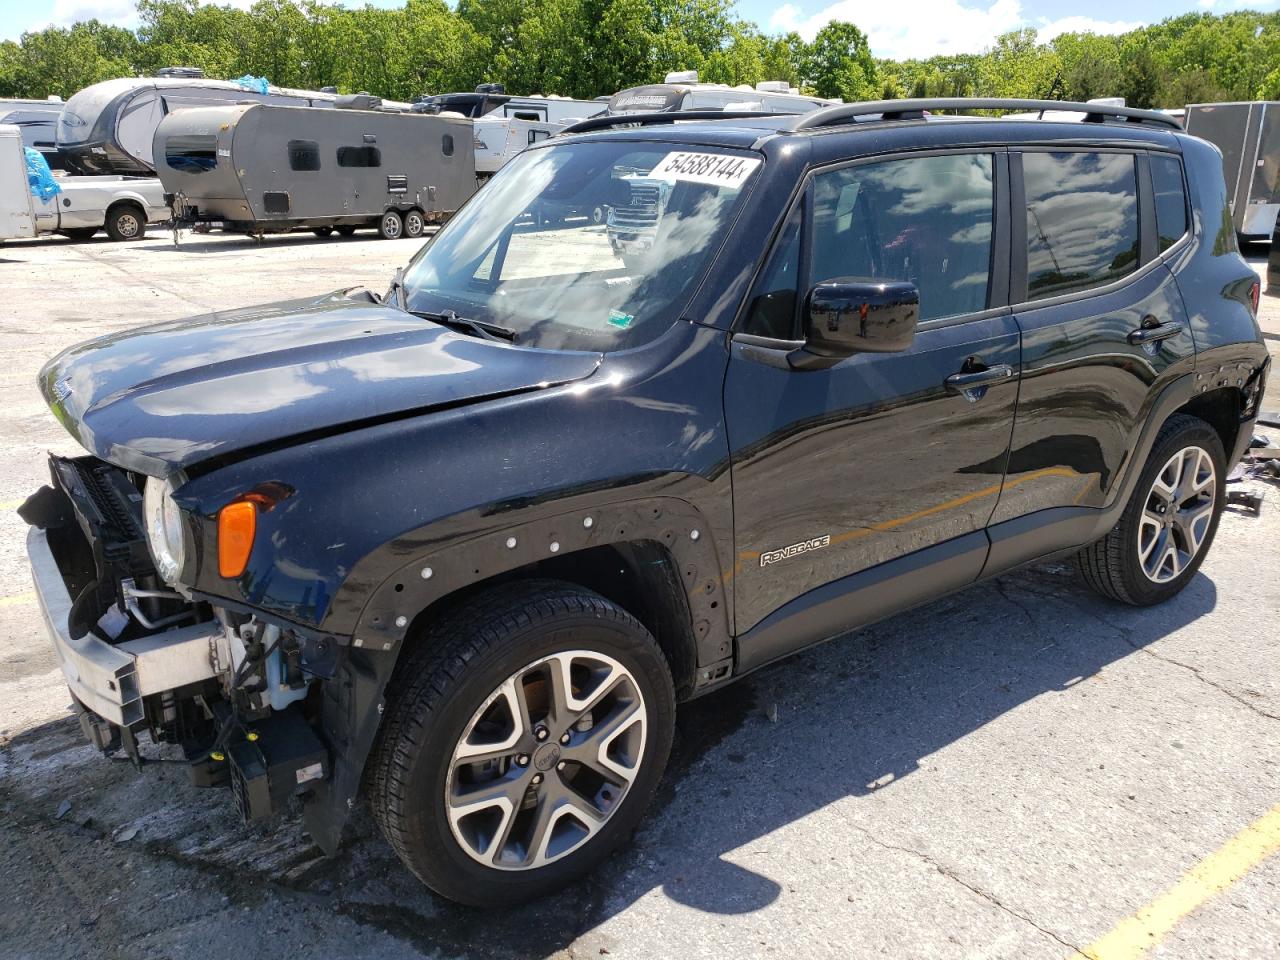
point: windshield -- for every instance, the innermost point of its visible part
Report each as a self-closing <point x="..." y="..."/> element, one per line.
<point x="586" y="246"/>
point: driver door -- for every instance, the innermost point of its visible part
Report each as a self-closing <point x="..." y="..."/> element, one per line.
<point x="865" y="486"/>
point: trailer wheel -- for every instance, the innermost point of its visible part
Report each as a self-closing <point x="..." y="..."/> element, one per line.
<point x="391" y="226"/>
<point x="414" y="224"/>
<point x="126" y="221"/>
<point x="322" y="231"/>
<point x="346" y="230"/>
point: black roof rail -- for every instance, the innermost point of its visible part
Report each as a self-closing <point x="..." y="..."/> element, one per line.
<point x="915" y="109"/>
<point x="668" y="116"/>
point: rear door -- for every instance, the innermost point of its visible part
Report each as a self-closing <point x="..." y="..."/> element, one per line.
<point x="840" y="473"/>
<point x="1103" y="330"/>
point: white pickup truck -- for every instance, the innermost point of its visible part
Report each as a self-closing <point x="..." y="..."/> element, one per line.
<point x="123" y="206"/>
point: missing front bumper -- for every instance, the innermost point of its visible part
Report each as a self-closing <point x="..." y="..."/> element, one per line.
<point x="112" y="681"/>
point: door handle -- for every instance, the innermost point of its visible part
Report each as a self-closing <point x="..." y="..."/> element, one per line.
<point x="963" y="382"/>
<point x="1153" y="332"/>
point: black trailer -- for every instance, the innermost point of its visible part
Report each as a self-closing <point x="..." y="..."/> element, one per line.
<point x="259" y="168"/>
<point x="108" y="127"/>
<point x="1248" y="134"/>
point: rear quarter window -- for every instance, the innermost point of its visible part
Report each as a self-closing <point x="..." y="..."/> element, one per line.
<point x="1171" y="200"/>
<point x="1082" y="220"/>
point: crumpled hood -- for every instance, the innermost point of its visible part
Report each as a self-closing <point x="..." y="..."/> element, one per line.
<point x="159" y="399"/>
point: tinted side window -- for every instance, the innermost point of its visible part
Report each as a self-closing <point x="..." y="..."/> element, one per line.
<point x="196" y="153"/>
<point x="1171" y="200"/>
<point x="1082" y="220"/>
<point x="923" y="219"/>
<point x="304" y="155"/>
<point x="359" y="157"/>
<point x="446" y="145"/>
<point x="773" y="306"/>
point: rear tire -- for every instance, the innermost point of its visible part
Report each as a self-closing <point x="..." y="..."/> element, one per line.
<point x="1170" y="521"/>
<point x="391" y="226"/>
<point x="415" y="224"/>
<point x="560" y="784"/>
<point x="126" y="221"/>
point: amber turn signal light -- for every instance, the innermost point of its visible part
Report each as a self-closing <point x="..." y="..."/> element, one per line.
<point x="237" y="523"/>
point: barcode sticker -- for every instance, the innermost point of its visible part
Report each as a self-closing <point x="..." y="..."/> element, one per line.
<point x="717" y="169"/>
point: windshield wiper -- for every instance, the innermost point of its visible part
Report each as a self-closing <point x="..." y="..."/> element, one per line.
<point x="479" y="328"/>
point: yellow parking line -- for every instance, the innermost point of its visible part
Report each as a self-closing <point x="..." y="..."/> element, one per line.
<point x="17" y="598"/>
<point x="1133" y="937"/>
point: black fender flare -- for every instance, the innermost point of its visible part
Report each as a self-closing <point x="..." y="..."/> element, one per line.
<point x="354" y="698"/>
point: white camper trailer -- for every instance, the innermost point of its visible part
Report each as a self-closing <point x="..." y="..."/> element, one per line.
<point x="683" y="91"/>
<point x="505" y="125"/>
<point x="38" y="121"/>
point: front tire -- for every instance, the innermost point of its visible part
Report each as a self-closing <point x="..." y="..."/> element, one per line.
<point x="391" y="226"/>
<point x="523" y="740"/>
<point x="1170" y="521"/>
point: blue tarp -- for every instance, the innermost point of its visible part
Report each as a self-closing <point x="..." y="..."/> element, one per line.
<point x="40" y="177"/>
<point x="250" y="82"/>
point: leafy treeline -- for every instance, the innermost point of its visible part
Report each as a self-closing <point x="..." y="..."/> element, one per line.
<point x="585" y="48"/>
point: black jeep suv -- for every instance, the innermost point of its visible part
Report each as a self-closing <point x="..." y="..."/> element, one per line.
<point x="465" y="546"/>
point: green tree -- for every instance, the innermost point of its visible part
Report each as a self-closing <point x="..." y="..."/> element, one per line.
<point x="839" y="64"/>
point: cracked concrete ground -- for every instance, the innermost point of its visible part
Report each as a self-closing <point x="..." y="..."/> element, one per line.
<point x="1005" y="773"/>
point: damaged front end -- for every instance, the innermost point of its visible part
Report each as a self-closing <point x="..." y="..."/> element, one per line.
<point x="142" y="656"/>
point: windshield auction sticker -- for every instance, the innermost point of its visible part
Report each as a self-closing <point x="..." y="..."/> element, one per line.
<point x="717" y="169"/>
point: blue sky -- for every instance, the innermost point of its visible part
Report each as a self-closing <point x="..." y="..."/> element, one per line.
<point x="901" y="28"/>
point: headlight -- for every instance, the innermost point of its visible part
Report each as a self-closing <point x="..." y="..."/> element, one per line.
<point x="164" y="529"/>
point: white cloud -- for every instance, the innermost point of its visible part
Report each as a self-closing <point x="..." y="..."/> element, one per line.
<point x="1047" y="29"/>
<point x="116" y="13"/>
<point x="914" y="29"/>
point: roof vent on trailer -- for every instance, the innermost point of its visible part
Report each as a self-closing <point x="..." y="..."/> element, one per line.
<point x="182" y="73"/>
<point x="358" y="101"/>
<point x="682" y="76"/>
<point x="773" y="86"/>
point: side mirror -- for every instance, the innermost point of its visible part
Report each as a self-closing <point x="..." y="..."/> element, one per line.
<point x="847" y="316"/>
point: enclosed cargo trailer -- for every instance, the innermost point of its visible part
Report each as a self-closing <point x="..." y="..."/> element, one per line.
<point x="1248" y="134"/>
<point x="261" y="168"/>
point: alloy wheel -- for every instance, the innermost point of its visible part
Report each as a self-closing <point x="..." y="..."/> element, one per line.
<point x="1177" y="515"/>
<point x="127" y="224"/>
<point x="546" y="760"/>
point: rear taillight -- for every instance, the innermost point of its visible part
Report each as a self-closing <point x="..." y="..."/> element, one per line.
<point x="1255" y="291"/>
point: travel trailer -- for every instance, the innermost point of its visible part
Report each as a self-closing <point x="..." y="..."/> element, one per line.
<point x="262" y="168"/>
<point x="123" y="206"/>
<point x="38" y="121"/>
<point x="521" y="121"/>
<point x="1248" y="134"/>
<point x="108" y="127"/>
<point x="505" y="125"/>
<point x="682" y="91"/>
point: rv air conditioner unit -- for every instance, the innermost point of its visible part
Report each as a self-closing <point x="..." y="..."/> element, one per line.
<point x="682" y="76"/>
<point x="491" y="88"/>
<point x="358" y="101"/>
<point x="182" y="73"/>
<point x="773" y="86"/>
